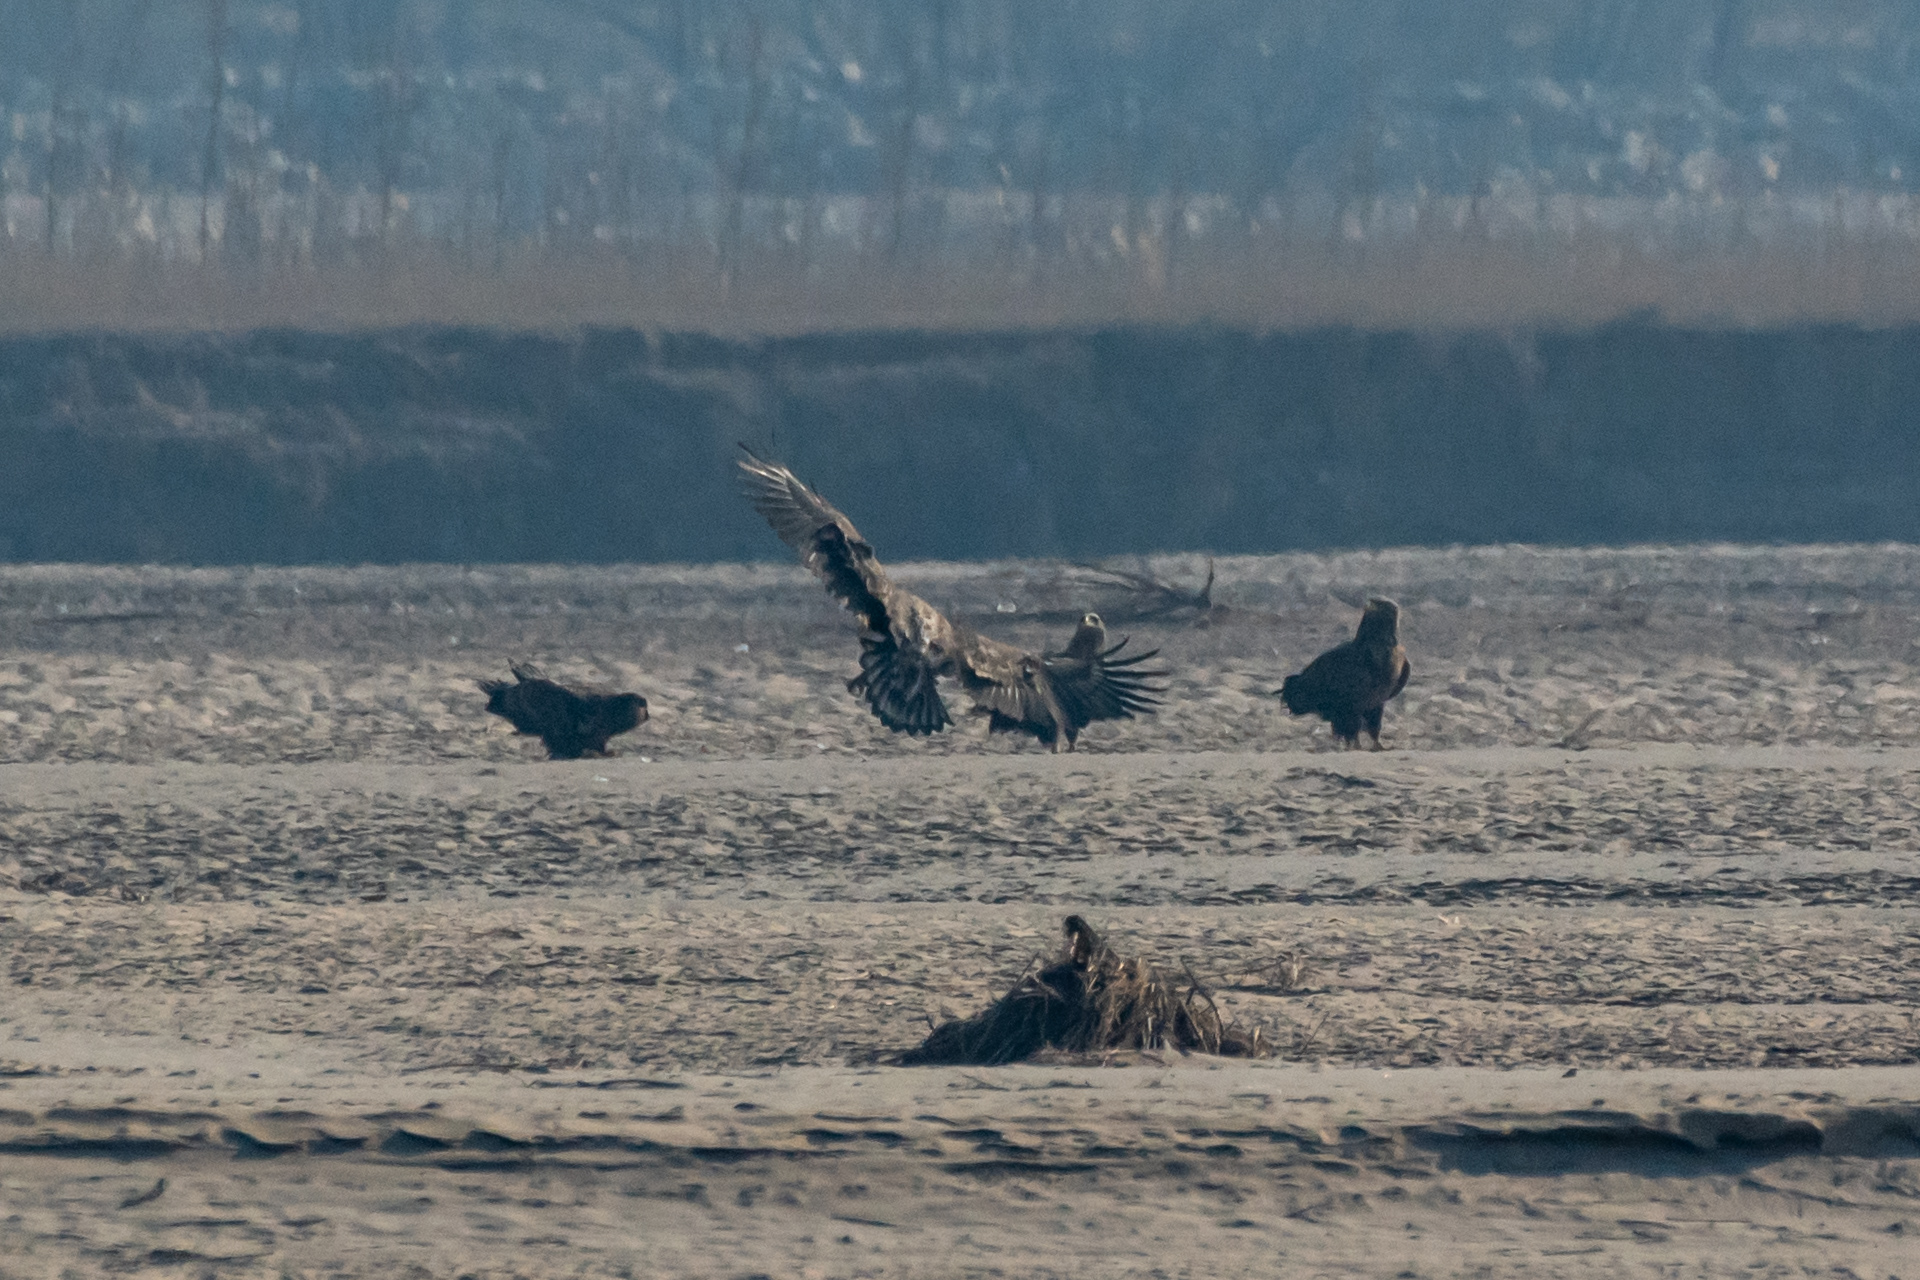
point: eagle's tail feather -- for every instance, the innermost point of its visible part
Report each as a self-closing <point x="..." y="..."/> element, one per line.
<point x="1295" y="693"/>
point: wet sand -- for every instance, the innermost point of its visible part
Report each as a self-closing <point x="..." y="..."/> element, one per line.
<point x="373" y="988"/>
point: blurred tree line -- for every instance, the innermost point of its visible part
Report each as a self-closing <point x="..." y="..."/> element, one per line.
<point x="1029" y="135"/>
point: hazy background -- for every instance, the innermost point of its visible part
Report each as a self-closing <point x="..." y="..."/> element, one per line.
<point x="779" y="164"/>
<point x="504" y="279"/>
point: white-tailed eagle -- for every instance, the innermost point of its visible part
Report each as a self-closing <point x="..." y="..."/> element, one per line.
<point x="1352" y="683"/>
<point x="573" y="723"/>
<point x="906" y="644"/>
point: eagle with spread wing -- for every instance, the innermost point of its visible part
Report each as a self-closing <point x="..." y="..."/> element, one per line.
<point x="1351" y="684"/>
<point x="906" y="644"/>
<point x="573" y="723"/>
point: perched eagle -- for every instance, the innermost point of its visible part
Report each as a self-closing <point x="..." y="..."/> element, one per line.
<point x="571" y="723"/>
<point x="1349" y="685"/>
<point x="906" y="644"/>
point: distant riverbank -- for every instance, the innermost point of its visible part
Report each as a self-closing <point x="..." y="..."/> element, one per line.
<point x="614" y="445"/>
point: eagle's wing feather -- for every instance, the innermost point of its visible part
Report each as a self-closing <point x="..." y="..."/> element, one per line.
<point x="993" y="673"/>
<point x="901" y="639"/>
<point x="1406" y="672"/>
<point x="795" y="511"/>
<point x="828" y="543"/>
<point x="899" y="680"/>
<point x="1010" y="684"/>
<point x="1105" y="687"/>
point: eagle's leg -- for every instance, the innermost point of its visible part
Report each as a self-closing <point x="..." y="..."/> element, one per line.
<point x="1346" y="727"/>
<point x="1063" y="732"/>
<point x="1372" y="719"/>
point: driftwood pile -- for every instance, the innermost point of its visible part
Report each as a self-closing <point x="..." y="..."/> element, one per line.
<point x="1149" y="599"/>
<point x="1088" y="1002"/>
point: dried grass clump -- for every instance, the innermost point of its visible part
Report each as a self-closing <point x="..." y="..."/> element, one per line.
<point x="1090" y="1001"/>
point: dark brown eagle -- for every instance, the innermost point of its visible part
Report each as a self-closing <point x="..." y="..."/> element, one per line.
<point x="906" y="644"/>
<point x="572" y="723"/>
<point x="1350" y="685"/>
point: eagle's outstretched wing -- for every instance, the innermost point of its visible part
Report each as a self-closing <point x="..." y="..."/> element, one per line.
<point x="828" y="543"/>
<point x="904" y="641"/>
<point x="1105" y="687"/>
<point x="1092" y="684"/>
<point x="1013" y="687"/>
<point x="1055" y="696"/>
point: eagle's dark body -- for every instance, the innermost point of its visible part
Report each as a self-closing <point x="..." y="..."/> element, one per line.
<point x="906" y="645"/>
<point x="1351" y="684"/>
<point x="570" y="722"/>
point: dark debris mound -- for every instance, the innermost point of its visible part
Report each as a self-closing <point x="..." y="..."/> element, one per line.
<point x="1090" y="1001"/>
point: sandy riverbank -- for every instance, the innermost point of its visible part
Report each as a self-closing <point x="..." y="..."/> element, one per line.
<point x="372" y="989"/>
